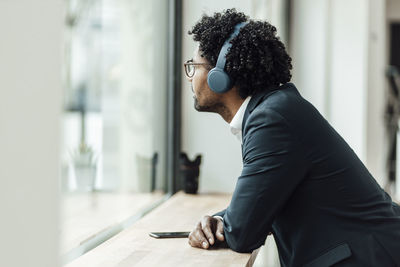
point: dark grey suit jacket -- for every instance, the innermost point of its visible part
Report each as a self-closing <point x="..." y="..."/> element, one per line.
<point x="302" y="182"/>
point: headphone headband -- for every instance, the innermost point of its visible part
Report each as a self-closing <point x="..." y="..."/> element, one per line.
<point x="224" y="50"/>
<point x="217" y="79"/>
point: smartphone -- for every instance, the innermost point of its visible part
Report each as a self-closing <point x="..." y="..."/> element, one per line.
<point x="169" y="234"/>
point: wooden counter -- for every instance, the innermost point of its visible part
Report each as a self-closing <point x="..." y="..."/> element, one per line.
<point x="134" y="246"/>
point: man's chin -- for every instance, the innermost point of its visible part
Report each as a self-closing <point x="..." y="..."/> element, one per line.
<point x="207" y="108"/>
<point x="200" y="108"/>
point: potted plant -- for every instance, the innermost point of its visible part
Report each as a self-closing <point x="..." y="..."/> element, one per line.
<point x="85" y="167"/>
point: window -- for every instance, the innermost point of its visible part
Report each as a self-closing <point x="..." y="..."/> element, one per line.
<point x="114" y="164"/>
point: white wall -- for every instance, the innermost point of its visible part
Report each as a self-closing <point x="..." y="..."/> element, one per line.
<point x="30" y="106"/>
<point x="338" y="51"/>
<point x="208" y="133"/>
<point x="310" y="20"/>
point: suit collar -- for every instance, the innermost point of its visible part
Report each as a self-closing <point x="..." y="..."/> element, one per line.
<point x="259" y="97"/>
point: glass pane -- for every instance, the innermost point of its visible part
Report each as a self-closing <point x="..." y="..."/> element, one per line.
<point x="114" y="118"/>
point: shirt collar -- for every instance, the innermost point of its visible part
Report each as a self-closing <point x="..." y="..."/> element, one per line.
<point x="236" y="123"/>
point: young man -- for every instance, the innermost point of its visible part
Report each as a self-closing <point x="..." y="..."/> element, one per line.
<point x="300" y="180"/>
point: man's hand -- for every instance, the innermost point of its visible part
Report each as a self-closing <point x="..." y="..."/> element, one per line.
<point x="205" y="232"/>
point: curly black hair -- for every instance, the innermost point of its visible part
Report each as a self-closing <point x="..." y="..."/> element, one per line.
<point x="257" y="59"/>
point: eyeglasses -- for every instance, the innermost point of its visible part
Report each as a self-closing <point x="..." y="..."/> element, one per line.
<point x="190" y="67"/>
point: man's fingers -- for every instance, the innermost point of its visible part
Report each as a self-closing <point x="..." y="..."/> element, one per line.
<point x="219" y="233"/>
<point x="206" y="232"/>
<point x="197" y="238"/>
<point x="191" y="238"/>
<point x="206" y="227"/>
<point x="200" y="239"/>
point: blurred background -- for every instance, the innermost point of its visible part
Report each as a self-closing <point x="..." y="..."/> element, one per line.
<point x="95" y="109"/>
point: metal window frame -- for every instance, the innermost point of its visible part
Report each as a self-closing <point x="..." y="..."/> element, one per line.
<point x="174" y="96"/>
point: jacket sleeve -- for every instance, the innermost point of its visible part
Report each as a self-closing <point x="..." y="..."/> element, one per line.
<point x="220" y="213"/>
<point x="273" y="165"/>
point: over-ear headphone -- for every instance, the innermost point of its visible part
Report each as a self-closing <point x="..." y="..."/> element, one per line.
<point x="218" y="80"/>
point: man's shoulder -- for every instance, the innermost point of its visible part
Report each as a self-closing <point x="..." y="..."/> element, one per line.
<point x="280" y="100"/>
<point x="274" y="105"/>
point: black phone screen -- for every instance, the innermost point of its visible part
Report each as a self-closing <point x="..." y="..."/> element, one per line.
<point x="169" y="234"/>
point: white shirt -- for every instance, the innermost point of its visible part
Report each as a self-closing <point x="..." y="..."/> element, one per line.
<point x="237" y="121"/>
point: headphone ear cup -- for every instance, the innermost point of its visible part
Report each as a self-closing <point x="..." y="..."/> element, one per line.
<point x="218" y="81"/>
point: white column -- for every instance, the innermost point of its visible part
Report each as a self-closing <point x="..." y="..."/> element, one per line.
<point x="30" y="107"/>
<point x="348" y="94"/>
<point x="309" y="43"/>
<point x="376" y="139"/>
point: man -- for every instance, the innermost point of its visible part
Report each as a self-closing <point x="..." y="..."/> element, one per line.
<point x="300" y="180"/>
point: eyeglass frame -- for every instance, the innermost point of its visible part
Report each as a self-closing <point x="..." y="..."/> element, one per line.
<point x="190" y="62"/>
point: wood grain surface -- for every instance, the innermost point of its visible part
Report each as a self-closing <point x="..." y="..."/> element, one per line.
<point x="134" y="246"/>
